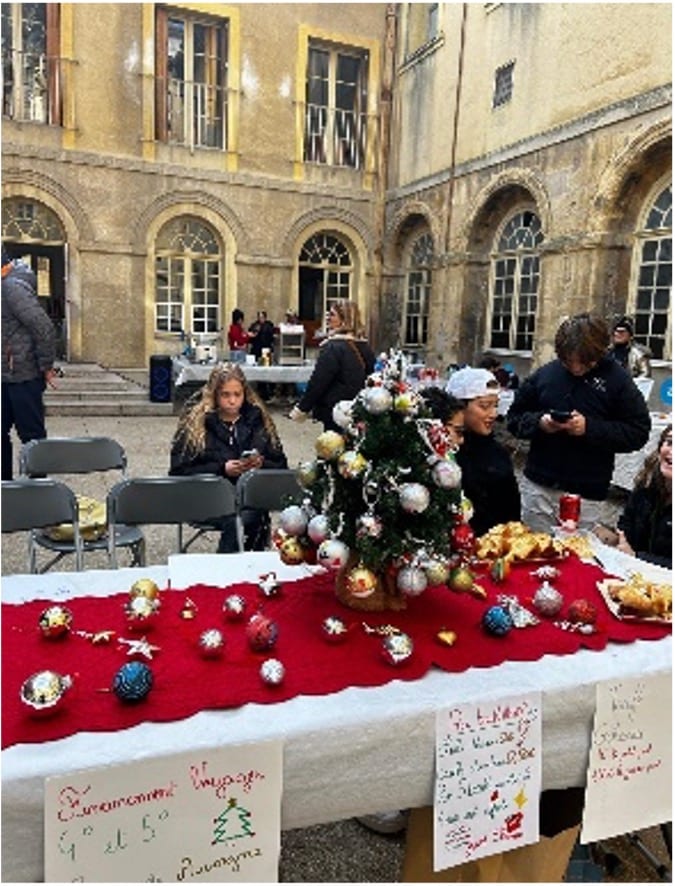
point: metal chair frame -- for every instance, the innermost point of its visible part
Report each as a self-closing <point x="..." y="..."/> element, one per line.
<point x="168" y="500"/>
<point x="29" y="504"/>
<point x="267" y="489"/>
<point x="79" y="455"/>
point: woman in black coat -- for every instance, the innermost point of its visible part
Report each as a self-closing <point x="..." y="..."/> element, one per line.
<point x="345" y="361"/>
<point x="226" y="431"/>
<point x="646" y="525"/>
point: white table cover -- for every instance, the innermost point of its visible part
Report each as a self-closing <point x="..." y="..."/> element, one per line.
<point x="353" y="752"/>
<point x="185" y="371"/>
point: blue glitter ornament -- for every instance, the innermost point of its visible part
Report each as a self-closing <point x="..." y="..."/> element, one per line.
<point x="133" y="681"/>
<point x="497" y="621"/>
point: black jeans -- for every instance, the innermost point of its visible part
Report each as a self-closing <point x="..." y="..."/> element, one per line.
<point x="23" y="409"/>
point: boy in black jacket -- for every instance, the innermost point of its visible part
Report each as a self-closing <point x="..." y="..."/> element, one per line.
<point x="577" y="411"/>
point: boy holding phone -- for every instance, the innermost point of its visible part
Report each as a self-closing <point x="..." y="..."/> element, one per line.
<point x="577" y="411"/>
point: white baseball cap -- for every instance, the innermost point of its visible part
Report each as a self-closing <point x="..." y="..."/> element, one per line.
<point x="467" y="384"/>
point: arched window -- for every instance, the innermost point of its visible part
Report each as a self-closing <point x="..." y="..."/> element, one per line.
<point x="654" y="276"/>
<point x="26" y="220"/>
<point x="188" y="278"/>
<point x="515" y="283"/>
<point x="418" y="292"/>
<point x="325" y="274"/>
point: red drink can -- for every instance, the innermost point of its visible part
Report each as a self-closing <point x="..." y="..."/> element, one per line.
<point x="570" y="509"/>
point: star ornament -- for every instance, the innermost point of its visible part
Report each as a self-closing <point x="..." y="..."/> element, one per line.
<point x="520" y="799"/>
<point x="140" y="647"/>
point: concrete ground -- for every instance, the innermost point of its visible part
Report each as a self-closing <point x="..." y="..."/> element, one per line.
<point x="340" y="852"/>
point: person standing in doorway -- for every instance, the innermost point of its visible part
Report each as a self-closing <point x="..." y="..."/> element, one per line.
<point x="28" y="354"/>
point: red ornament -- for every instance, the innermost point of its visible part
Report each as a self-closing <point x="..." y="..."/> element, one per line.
<point x="463" y="538"/>
<point x="261" y="632"/>
<point x="582" y="611"/>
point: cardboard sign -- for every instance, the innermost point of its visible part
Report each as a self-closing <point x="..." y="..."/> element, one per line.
<point x="629" y="779"/>
<point x="206" y="815"/>
<point x="488" y="778"/>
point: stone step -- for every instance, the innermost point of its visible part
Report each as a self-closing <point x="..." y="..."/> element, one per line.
<point x="107" y="407"/>
<point x="91" y="389"/>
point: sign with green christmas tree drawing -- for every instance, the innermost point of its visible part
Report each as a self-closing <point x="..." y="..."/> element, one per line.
<point x="211" y="815"/>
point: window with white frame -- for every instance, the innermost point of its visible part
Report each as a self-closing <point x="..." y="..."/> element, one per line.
<point x="515" y="282"/>
<point x="654" y="276"/>
<point x="418" y="292"/>
<point x="188" y="278"/>
<point x="191" y="79"/>
<point x="336" y="101"/>
<point x="31" y="67"/>
<point x="325" y="270"/>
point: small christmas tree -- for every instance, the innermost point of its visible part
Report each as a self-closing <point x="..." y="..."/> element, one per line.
<point x="384" y="496"/>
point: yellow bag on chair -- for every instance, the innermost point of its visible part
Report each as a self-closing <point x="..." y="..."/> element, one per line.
<point x="93" y="522"/>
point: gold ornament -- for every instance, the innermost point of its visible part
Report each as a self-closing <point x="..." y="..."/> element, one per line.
<point x="329" y="445"/>
<point x="307" y="472"/>
<point x="291" y="551"/>
<point x="361" y="582"/>
<point x="460" y="579"/>
<point x="351" y="464"/>
<point x="144" y="587"/>
<point x="448" y="638"/>
<point x="437" y="572"/>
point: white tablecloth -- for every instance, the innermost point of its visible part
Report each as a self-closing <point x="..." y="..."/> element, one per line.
<point x="354" y="752"/>
<point x="185" y="371"/>
<point x="628" y="464"/>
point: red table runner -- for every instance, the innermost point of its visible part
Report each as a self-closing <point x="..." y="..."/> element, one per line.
<point x="185" y="682"/>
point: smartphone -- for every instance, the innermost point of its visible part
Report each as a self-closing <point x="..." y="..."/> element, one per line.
<point x="560" y="415"/>
<point x="248" y="454"/>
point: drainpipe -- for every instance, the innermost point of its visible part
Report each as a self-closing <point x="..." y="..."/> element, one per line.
<point x="386" y="92"/>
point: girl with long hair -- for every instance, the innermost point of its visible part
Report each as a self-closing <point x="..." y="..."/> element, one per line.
<point x="225" y="429"/>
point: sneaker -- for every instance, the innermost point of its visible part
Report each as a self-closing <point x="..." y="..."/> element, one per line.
<point x="385" y="822"/>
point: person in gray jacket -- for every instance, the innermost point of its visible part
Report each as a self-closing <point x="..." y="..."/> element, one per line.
<point x="28" y="353"/>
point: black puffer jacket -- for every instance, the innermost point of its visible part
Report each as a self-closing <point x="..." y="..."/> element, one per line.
<point x="617" y="420"/>
<point x="28" y="338"/>
<point x="340" y="373"/>
<point x="647" y="522"/>
<point x="488" y="481"/>
<point x="225" y="442"/>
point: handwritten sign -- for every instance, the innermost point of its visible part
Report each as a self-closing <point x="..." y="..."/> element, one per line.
<point x="206" y="815"/>
<point x="488" y="778"/>
<point x="629" y="779"/>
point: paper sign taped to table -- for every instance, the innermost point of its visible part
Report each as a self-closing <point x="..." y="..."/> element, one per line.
<point x="629" y="778"/>
<point x="210" y="814"/>
<point x="488" y="778"/>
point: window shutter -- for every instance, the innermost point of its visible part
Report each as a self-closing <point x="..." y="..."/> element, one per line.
<point x="54" y="63"/>
<point x="161" y="74"/>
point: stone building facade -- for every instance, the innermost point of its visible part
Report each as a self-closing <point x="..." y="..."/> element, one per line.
<point x="468" y="173"/>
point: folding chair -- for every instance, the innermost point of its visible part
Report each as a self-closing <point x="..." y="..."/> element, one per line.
<point x="35" y="504"/>
<point x="168" y="501"/>
<point x="265" y="489"/>
<point x="79" y="455"/>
